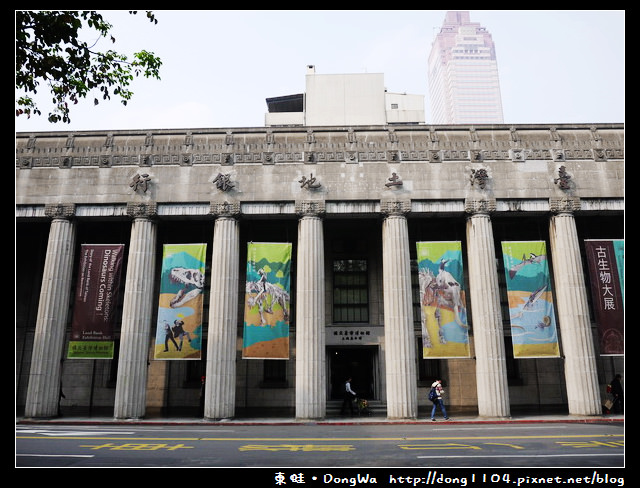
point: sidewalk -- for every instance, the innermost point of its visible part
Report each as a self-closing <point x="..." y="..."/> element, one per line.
<point x="373" y="420"/>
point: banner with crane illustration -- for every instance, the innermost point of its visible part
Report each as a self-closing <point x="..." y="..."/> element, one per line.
<point x="445" y="333"/>
<point x="531" y="311"/>
<point x="179" y="325"/>
<point x="267" y="301"/>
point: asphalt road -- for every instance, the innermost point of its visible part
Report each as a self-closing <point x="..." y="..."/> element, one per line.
<point x="287" y="448"/>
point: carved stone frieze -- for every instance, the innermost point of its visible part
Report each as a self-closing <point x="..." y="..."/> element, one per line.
<point x="476" y="156"/>
<point x="435" y="156"/>
<point x="395" y="207"/>
<point x="394" y="156"/>
<point x="225" y="209"/>
<point x="142" y="210"/>
<point x="60" y="210"/>
<point x="186" y="159"/>
<point x="417" y="144"/>
<point x="564" y="204"/>
<point x="228" y="159"/>
<point x="518" y="155"/>
<point x="105" y="161"/>
<point x="310" y="207"/>
<point x="479" y="206"/>
<point x="599" y="154"/>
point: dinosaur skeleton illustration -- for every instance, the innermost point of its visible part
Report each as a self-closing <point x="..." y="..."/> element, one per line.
<point x="263" y="289"/>
<point x="193" y="281"/>
<point x="442" y="290"/>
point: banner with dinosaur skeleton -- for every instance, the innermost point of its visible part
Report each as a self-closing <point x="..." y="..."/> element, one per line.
<point x="605" y="259"/>
<point x="531" y="311"/>
<point x="179" y="326"/>
<point x="267" y="302"/>
<point x="445" y="333"/>
<point x="97" y="294"/>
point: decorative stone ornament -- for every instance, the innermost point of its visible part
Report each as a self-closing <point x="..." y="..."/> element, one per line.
<point x="223" y="182"/>
<point x="563" y="180"/>
<point x="309" y="183"/>
<point x="479" y="177"/>
<point x="140" y="182"/>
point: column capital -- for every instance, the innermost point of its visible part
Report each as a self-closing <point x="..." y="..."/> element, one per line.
<point x="310" y="208"/>
<point x="142" y="210"/>
<point x="60" y="210"/>
<point x="566" y="204"/>
<point x="225" y="209"/>
<point x="395" y="208"/>
<point x="479" y="206"/>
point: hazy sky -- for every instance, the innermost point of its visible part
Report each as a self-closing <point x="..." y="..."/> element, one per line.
<point x="219" y="66"/>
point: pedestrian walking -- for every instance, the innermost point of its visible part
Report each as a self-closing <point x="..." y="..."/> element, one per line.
<point x="349" y="397"/>
<point x="437" y="398"/>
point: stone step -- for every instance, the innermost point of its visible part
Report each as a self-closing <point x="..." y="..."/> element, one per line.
<point x="376" y="408"/>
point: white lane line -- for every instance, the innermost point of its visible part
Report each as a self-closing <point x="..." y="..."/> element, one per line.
<point x="57" y="455"/>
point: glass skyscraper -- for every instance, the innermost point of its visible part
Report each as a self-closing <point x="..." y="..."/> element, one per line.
<point x="464" y="87"/>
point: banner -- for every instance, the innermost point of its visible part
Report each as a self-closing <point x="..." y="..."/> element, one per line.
<point x="97" y="293"/>
<point x="267" y="302"/>
<point x="605" y="259"/>
<point x="533" y="323"/>
<point x="179" y="326"/>
<point x="445" y="333"/>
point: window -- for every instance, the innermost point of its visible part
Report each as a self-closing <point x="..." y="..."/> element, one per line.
<point x="350" y="291"/>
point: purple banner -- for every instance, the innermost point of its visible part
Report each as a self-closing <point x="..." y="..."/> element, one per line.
<point x="96" y="299"/>
<point x="605" y="258"/>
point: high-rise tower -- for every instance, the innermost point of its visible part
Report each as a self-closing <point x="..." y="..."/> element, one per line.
<point x="464" y="87"/>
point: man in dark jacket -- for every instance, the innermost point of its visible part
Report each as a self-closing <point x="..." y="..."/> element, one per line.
<point x="618" y="395"/>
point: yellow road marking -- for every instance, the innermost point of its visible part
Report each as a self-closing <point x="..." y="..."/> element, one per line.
<point x="332" y="439"/>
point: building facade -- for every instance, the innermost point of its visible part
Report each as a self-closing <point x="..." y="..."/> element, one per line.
<point x="355" y="297"/>
<point x="344" y="100"/>
<point x="464" y="86"/>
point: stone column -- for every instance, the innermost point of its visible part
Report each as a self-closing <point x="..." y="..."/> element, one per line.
<point x="400" y="340"/>
<point x="311" y="392"/>
<point x="220" y="386"/>
<point x="491" y="367"/>
<point x="137" y="311"/>
<point x="43" y="393"/>
<point x="573" y="312"/>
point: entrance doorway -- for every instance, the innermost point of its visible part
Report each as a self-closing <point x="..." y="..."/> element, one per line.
<point x="359" y="363"/>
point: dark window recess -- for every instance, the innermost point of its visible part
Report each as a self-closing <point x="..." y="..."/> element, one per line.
<point x="274" y="373"/>
<point x="428" y="369"/>
<point x="113" y="367"/>
<point x="350" y="291"/>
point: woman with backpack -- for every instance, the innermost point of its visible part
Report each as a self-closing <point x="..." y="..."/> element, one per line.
<point x="435" y="396"/>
